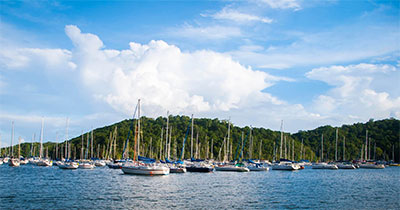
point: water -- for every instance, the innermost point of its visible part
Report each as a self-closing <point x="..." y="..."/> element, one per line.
<point x="32" y="187"/>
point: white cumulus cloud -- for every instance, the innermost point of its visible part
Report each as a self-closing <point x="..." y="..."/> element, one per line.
<point x="164" y="77"/>
<point x="360" y="91"/>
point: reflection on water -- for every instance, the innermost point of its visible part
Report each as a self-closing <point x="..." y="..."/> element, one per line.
<point x="30" y="187"/>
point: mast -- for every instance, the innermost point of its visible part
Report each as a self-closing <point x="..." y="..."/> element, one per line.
<point x="366" y="145"/>
<point x="138" y="127"/>
<point x="19" y="147"/>
<point x="336" y="144"/>
<point x="229" y="134"/>
<point x="293" y="149"/>
<point x="12" y="139"/>
<point x="212" y="148"/>
<point x="166" y="137"/>
<point x="161" y="142"/>
<point x="169" y="142"/>
<point x="344" y="148"/>
<point x="67" y="149"/>
<point x="91" y="144"/>
<point x="41" y="141"/>
<point x="369" y="149"/>
<point x="191" y="140"/>
<point x="87" y="146"/>
<point x="301" y="150"/>
<point x="82" y="146"/>
<point x="280" y="153"/>
<point x="322" y="147"/>
<point x="259" y="150"/>
<point x="285" y="149"/>
<point x="251" y="145"/>
<point x="33" y="139"/>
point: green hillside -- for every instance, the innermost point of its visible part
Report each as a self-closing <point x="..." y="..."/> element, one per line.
<point x="383" y="133"/>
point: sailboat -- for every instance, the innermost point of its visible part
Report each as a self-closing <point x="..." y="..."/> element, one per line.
<point x="43" y="161"/>
<point x="14" y="162"/>
<point x="236" y="167"/>
<point x="67" y="164"/>
<point x="197" y="165"/>
<point x="137" y="167"/>
<point x="323" y="165"/>
<point x="87" y="164"/>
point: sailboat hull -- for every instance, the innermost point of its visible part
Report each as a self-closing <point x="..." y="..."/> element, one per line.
<point x="14" y="162"/>
<point x="144" y="170"/>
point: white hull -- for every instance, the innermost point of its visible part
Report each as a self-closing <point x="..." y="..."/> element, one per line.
<point x="372" y="166"/>
<point x="1" y="162"/>
<point x="146" y="170"/>
<point x="287" y="166"/>
<point x="253" y="168"/>
<point x="346" y="166"/>
<point x="24" y="162"/>
<point x="324" y="166"/>
<point x="100" y="163"/>
<point x="86" y="166"/>
<point x="71" y="165"/>
<point x="45" y="163"/>
<point x="232" y="168"/>
<point x="14" y="162"/>
<point x="177" y="170"/>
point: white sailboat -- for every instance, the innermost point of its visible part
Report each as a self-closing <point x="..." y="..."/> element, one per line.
<point x="43" y="161"/>
<point x="67" y="164"/>
<point x="14" y="162"/>
<point x="139" y="168"/>
<point x="285" y="165"/>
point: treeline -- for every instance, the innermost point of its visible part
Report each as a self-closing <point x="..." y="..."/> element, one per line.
<point x="208" y="141"/>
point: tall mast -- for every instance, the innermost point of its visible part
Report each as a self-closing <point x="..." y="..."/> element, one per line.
<point x="191" y="141"/>
<point x="280" y="153"/>
<point x="41" y="141"/>
<point x="344" y="148"/>
<point x="366" y="145"/>
<point x="161" y="142"/>
<point x="12" y="139"/>
<point x="91" y="144"/>
<point x="301" y="150"/>
<point x="166" y="137"/>
<point x="19" y="147"/>
<point x="322" y="147"/>
<point x="229" y="134"/>
<point x="138" y="139"/>
<point x="293" y="149"/>
<point x="67" y="148"/>
<point x="212" y="149"/>
<point x="82" y="146"/>
<point x="259" y="150"/>
<point x="285" y="149"/>
<point x="87" y="146"/>
<point x="169" y="142"/>
<point x="336" y="144"/>
<point x="369" y="148"/>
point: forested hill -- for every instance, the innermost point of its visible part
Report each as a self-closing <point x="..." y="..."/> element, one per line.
<point x="383" y="133"/>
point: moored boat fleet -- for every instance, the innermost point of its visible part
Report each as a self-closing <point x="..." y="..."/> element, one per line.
<point x="226" y="161"/>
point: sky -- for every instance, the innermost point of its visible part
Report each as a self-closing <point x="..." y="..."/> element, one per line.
<point x="255" y="62"/>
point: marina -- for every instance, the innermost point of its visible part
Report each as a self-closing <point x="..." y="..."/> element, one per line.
<point x="107" y="188"/>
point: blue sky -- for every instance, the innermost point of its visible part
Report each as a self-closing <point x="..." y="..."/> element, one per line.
<point x="309" y="63"/>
